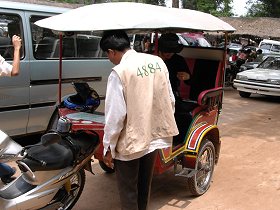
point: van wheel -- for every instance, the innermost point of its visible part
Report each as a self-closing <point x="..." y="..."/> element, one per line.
<point x="244" y="94"/>
<point x="205" y="162"/>
<point x="53" y="121"/>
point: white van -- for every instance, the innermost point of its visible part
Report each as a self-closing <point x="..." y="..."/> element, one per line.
<point x="269" y="46"/>
<point x="28" y="101"/>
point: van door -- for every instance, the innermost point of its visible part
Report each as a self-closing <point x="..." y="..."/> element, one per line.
<point x="83" y="60"/>
<point x="14" y="91"/>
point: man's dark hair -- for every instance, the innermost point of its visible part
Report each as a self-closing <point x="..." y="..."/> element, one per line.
<point x="169" y="43"/>
<point x="115" y="40"/>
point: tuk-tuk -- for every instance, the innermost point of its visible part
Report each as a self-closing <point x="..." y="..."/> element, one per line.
<point x="195" y="156"/>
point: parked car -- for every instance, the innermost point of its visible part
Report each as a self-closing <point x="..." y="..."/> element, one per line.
<point x="194" y="39"/>
<point x="230" y="45"/>
<point x="264" y="79"/>
<point x="270" y="46"/>
<point x="255" y="63"/>
<point x="249" y="65"/>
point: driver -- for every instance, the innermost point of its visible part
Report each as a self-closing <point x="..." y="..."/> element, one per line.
<point x="169" y="46"/>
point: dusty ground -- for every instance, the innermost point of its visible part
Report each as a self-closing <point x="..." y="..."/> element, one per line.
<point x="247" y="176"/>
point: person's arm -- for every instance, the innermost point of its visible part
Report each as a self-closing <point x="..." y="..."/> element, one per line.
<point x="115" y="114"/>
<point x="16" y="61"/>
<point x="183" y="72"/>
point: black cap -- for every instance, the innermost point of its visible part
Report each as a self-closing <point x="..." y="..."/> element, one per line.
<point x="169" y="43"/>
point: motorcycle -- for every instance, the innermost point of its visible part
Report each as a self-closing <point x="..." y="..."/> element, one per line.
<point x="52" y="171"/>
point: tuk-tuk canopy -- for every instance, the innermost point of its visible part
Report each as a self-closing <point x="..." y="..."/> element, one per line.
<point x="134" y="17"/>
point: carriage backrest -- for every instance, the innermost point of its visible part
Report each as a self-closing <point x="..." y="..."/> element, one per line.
<point x="204" y="65"/>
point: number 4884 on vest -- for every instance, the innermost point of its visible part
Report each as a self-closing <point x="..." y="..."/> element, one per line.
<point x="148" y="69"/>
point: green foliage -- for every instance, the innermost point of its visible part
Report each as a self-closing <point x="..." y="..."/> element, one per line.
<point x="214" y="7"/>
<point x="264" y="8"/>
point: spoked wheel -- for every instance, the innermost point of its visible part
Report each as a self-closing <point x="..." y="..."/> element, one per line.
<point x="77" y="183"/>
<point x="200" y="182"/>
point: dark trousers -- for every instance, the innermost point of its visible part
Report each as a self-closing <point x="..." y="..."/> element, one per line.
<point x="5" y="170"/>
<point x="134" y="181"/>
<point x="183" y="121"/>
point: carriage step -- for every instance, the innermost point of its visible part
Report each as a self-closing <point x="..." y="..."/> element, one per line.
<point x="186" y="172"/>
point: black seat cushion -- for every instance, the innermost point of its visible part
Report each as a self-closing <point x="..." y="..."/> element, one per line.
<point x="56" y="156"/>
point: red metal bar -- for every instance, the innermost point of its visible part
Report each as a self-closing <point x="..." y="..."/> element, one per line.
<point x="60" y="68"/>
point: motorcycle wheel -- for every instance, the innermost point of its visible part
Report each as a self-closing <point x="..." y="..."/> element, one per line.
<point x="200" y="182"/>
<point x="77" y="183"/>
<point x="106" y="168"/>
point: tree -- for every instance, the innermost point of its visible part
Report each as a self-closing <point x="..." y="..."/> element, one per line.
<point x="175" y="3"/>
<point x="214" y="7"/>
<point x="264" y="8"/>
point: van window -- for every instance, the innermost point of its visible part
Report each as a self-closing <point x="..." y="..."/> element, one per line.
<point x="10" y="25"/>
<point x="81" y="45"/>
<point x="265" y="46"/>
<point x="275" y="48"/>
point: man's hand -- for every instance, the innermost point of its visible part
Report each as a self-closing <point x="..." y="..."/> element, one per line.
<point x="108" y="160"/>
<point x="16" y="42"/>
<point x="16" y="61"/>
<point x="183" y="76"/>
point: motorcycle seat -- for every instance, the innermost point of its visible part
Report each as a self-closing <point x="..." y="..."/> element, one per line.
<point x="56" y="156"/>
<point x="82" y="144"/>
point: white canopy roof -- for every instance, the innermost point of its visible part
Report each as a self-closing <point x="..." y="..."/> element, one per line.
<point x="133" y="16"/>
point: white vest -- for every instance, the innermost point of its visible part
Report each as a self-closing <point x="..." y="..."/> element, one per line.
<point x="149" y="107"/>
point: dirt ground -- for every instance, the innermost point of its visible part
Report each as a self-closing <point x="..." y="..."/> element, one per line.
<point x="247" y="176"/>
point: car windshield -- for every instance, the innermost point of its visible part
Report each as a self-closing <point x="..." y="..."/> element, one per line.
<point x="265" y="46"/>
<point x="271" y="63"/>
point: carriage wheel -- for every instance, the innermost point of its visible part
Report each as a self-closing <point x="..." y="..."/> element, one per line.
<point x="200" y="182"/>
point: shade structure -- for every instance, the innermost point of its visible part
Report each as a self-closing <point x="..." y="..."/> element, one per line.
<point x="134" y="17"/>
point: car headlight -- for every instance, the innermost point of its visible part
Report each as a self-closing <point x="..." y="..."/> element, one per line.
<point x="274" y="81"/>
<point x="241" y="77"/>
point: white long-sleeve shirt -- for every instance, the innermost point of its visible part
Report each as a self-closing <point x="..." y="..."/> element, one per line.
<point x="115" y="115"/>
<point x="5" y="68"/>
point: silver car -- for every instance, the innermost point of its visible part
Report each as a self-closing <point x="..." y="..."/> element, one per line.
<point x="264" y="79"/>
